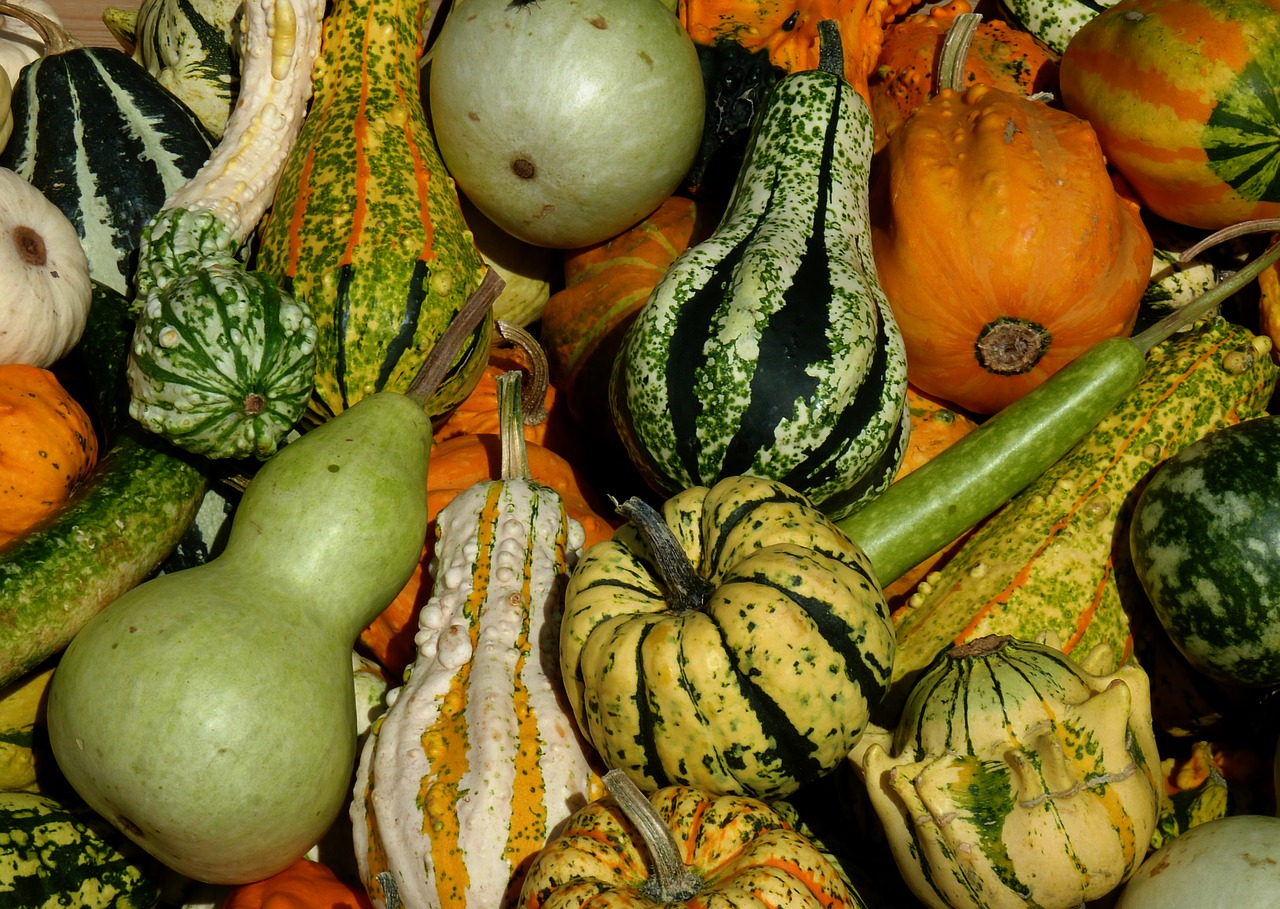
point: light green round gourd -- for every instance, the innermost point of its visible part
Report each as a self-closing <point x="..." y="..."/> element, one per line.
<point x="209" y="713"/>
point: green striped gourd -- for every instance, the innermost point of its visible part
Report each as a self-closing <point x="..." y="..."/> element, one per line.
<point x="1182" y="96"/>
<point x="769" y="348"/>
<point x="1017" y="777"/>
<point x="1052" y="22"/>
<point x="476" y="761"/>
<point x="1047" y="562"/>
<point x="367" y="228"/>
<point x="790" y="631"/>
<point x="106" y="143"/>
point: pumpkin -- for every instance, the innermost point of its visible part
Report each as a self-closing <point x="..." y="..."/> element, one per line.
<point x="1182" y="96"/>
<point x="47" y="447"/>
<point x="755" y="714"/>
<point x="457" y="464"/>
<point x="565" y="123"/>
<point x="45" y="304"/>
<point x="682" y="846"/>
<point x="1000" y="55"/>
<point x="1002" y="246"/>
<point x="305" y="884"/>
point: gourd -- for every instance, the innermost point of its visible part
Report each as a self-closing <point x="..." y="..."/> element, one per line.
<point x="302" y="885"/>
<point x="1060" y="262"/>
<point x="528" y="270"/>
<point x="103" y="141"/>
<point x="1164" y="85"/>
<point x="50" y="446"/>
<point x="682" y="847"/>
<point x="755" y="714"/>
<point x="1017" y="777"/>
<point x="46" y="301"/>
<point x="768" y="348"/>
<point x="571" y="154"/>
<point x="366" y="229"/>
<point x="1202" y="541"/>
<point x="20" y="44"/>
<point x="476" y="761"/>
<point x="24" y="757"/>
<point x="1053" y="23"/>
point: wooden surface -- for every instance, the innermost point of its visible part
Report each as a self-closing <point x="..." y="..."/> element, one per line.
<point x="84" y="18"/>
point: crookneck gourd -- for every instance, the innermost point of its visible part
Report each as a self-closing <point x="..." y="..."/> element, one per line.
<point x="768" y="348"/>
<point x="737" y="642"/>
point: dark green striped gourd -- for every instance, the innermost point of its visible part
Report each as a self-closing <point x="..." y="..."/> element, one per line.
<point x="367" y="228"/>
<point x="769" y="348"/>
<point x="106" y="143"/>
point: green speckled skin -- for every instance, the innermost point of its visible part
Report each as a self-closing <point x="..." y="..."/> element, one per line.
<point x="1048" y="561"/>
<point x="1053" y="22"/>
<point x="367" y="229"/>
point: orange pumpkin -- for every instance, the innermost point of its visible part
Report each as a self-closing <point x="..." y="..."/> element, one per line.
<point x="47" y="447"/>
<point x="999" y="55"/>
<point x="303" y="885"/>
<point x="457" y="464"/>
<point x="1002" y="245"/>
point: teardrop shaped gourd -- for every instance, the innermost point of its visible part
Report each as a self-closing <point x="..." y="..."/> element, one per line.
<point x="209" y="713"/>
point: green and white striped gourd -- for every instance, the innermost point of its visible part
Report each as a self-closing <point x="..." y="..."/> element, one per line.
<point x="223" y="360"/>
<point x="476" y="761"/>
<point x="105" y="143"/>
<point x="1017" y="777"/>
<point x="1053" y="22"/>
<point x="769" y="348"/>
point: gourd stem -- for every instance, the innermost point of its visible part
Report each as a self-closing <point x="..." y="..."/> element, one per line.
<point x="535" y="390"/>
<point x="55" y="37"/>
<point x="955" y="51"/>
<point x="437" y="363"/>
<point x="515" y="456"/>
<point x="830" y="48"/>
<point x="1203" y="305"/>
<point x="686" y="589"/>
<point x="671" y="880"/>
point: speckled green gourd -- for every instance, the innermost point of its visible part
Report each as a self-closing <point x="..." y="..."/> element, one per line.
<point x="367" y="229"/>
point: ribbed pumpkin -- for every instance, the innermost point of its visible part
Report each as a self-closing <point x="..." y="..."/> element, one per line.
<point x="305" y="884"/>
<point x="1182" y="94"/>
<point x="790" y="631"/>
<point x="1002" y="246"/>
<point x="47" y="447"/>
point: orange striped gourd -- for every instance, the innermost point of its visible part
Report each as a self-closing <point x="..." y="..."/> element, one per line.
<point x="1182" y="96"/>
<point x="366" y="227"/>
<point x="477" y="760"/>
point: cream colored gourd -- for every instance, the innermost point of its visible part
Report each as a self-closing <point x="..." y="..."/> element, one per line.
<point x="45" y="276"/>
<point x="19" y="43"/>
<point x="476" y="760"/>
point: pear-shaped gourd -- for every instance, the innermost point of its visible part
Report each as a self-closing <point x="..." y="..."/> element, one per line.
<point x="209" y="713"/>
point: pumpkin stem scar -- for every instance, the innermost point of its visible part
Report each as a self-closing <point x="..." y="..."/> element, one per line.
<point x="687" y="591"/>
<point x="1011" y="347"/>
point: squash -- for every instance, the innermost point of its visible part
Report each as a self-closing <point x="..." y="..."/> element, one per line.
<point x="49" y="446"/>
<point x="366" y="228"/>
<point x="45" y="305"/>
<point x="569" y="154"/>
<point x="1059" y="263"/>
<point x="1017" y="777"/>
<point x="21" y="44"/>
<point x="476" y="760"/>
<point x="768" y="348"/>
<point x="682" y="847"/>
<point x="527" y="270"/>
<point x="305" y="884"/>
<point x="24" y="754"/>
<point x="755" y="714"/>
<point x="104" y="141"/>
<point x="1180" y="94"/>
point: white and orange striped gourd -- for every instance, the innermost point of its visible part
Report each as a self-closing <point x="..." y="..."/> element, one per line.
<point x="477" y="760"/>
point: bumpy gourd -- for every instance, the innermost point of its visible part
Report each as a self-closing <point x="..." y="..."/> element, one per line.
<point x="1017" y="777"/>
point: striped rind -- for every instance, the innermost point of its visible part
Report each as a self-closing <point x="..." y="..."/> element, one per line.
<point x="476" y="761"/>
<point x="765" y="687"/>
<point x="769" y="348"/>
<point x="367" y="228"/>
<point x="106" y="144"/>
<point x="1205" y="537"/>
<point x="187" y="46"/>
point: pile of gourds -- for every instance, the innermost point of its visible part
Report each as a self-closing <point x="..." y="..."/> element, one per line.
<point x="749" y="526"/>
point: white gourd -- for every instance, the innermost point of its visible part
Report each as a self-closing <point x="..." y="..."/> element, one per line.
<point x="45" y="275"/>
<point x="19" y="43"/>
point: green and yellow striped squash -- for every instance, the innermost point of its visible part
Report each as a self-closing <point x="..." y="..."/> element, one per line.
<point x="1048" y="561"/>
<point x="1182" y="96"/>
<point x="755" y="674"/>
<point x="1017" y="777"/>
<point x="366" y="227"/>
<point x="477" y="761"/>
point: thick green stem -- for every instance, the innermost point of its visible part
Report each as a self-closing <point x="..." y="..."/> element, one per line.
<point x="955" y="50"/>
<point x="515" y="455"/>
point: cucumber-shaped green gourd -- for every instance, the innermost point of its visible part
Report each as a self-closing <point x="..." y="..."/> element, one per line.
<point x="769" y="348"/>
